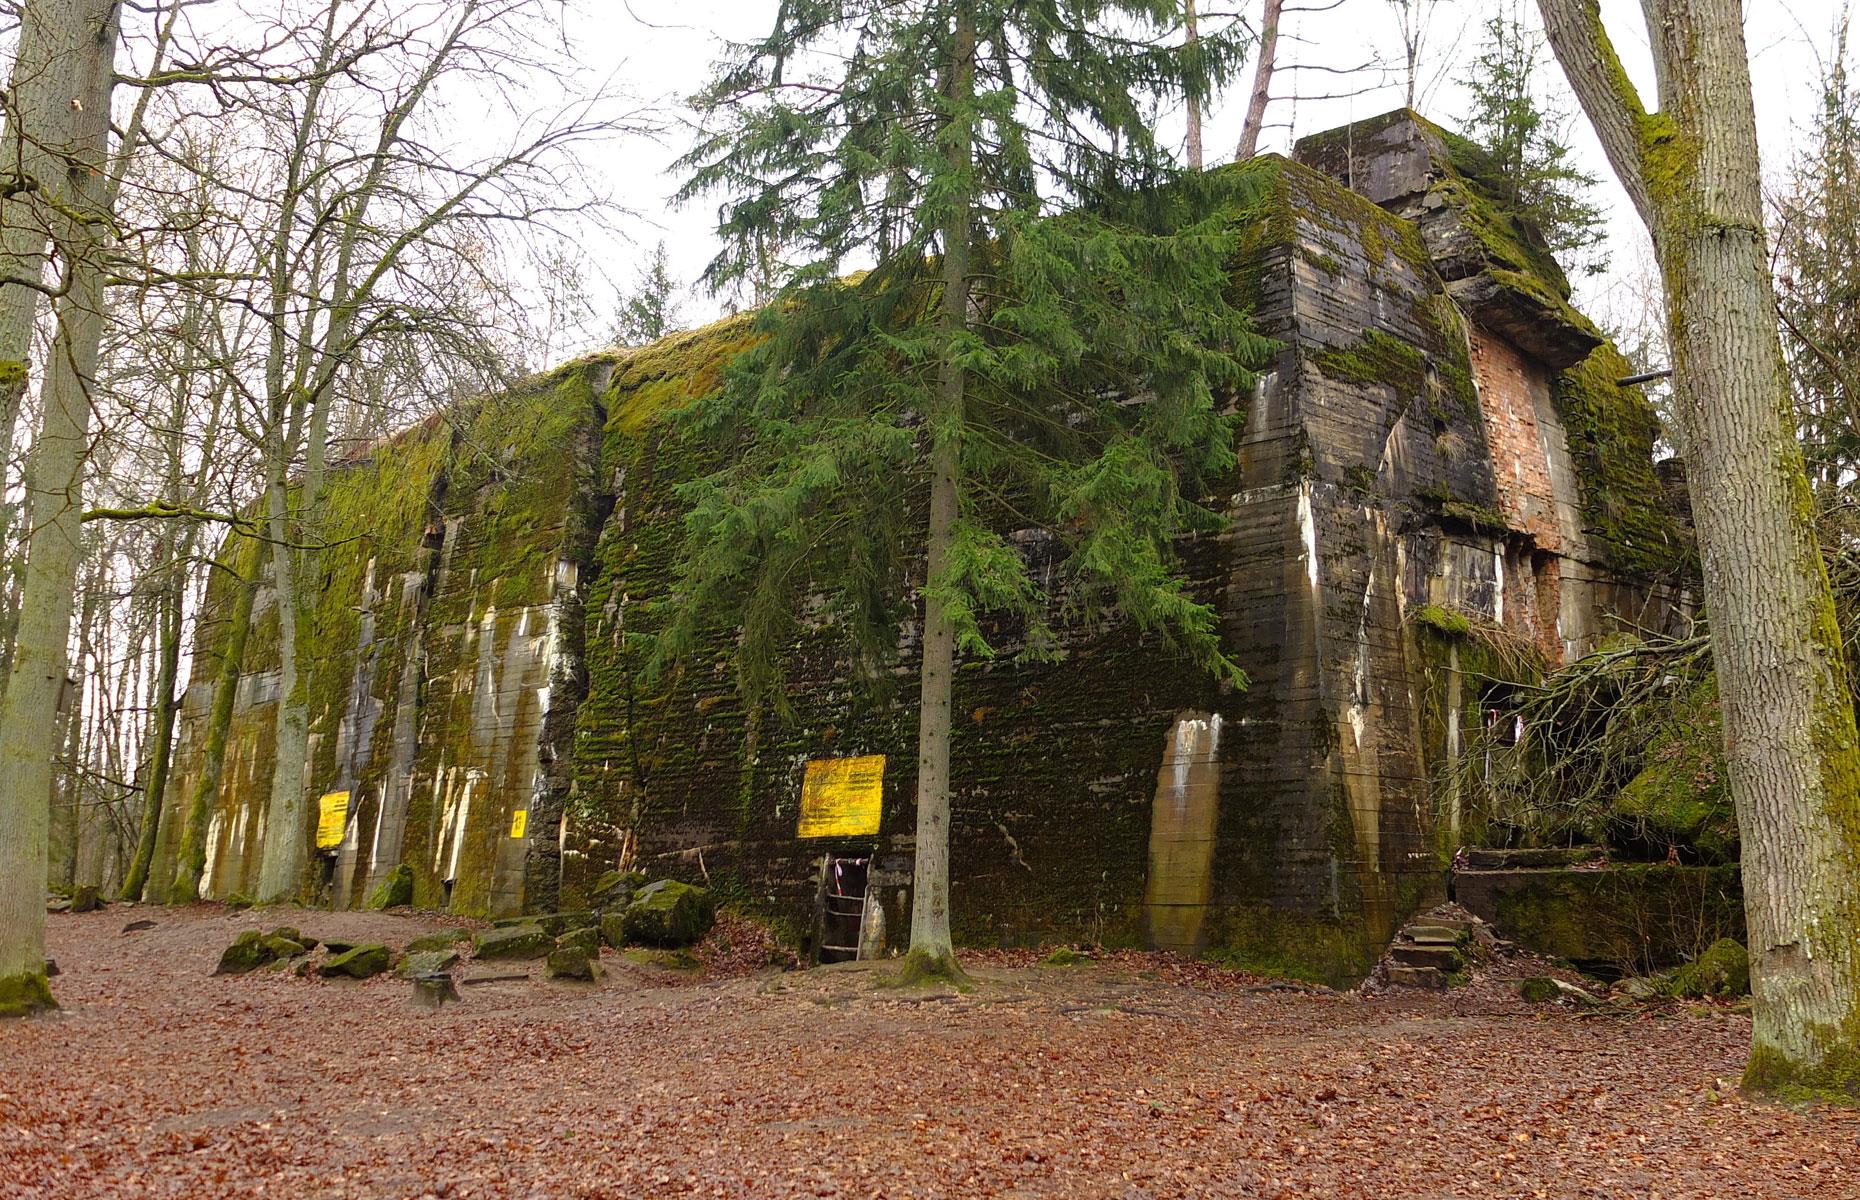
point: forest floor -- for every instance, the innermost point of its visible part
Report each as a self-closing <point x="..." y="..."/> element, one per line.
<point x="1138" y="1076"/>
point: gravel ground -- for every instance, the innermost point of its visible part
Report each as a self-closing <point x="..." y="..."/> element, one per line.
<point x="1136" y="1076"/>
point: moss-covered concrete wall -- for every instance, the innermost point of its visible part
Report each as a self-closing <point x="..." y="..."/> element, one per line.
<point x="432" y="625"/>
<point x="483" y="630"/>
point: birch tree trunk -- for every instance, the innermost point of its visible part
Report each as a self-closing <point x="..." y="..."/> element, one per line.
<point x="27" y="731"/>
<point x="1262" y="80"/>
<point x="932" y="955"/>
<point x="1691" y="168"/>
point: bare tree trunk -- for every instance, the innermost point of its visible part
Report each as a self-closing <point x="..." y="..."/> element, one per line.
<point x="27" y="738"/>
<point x="1262" y="80"/>
<point x="1191" y="25"/>
<point x="191" y="857"/>
<point x="1794" y="761"/>
<point x="161" y="737"/>
<point x="932" y="954"/>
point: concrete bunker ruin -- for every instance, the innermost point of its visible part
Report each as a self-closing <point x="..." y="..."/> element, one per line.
<point x="1439" y="444"/>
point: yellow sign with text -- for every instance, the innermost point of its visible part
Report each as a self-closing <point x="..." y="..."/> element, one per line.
<point x="519" y="822"/>
<point x="842" y="797"/>
<point x="332" y="819"/>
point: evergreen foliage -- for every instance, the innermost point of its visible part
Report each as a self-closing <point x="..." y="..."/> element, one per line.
<point x="650" y="310"/>
<point x="999" y="378"/>
<point x="1525" y="134"/>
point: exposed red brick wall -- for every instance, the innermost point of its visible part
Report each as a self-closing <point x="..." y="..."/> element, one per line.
<point x="1520" y="461"/>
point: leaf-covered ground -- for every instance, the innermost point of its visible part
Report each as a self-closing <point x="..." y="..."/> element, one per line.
<point x="1134" y="1077"/>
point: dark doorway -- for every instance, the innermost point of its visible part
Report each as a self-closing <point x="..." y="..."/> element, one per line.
<point x="843" y="891"/>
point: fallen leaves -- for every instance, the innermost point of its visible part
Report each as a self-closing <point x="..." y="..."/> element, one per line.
<point x="1137" y="1076"/>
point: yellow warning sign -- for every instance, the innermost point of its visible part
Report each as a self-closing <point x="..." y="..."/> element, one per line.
<point x="842" y="797"/>
<point x="519" y="821"/>
<point x="332" y="818"/>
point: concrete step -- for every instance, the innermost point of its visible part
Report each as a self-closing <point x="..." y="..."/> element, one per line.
<point x="1431" y="935"/>
<point x="1443" y="958"/>
<point x="1417" y="977"/>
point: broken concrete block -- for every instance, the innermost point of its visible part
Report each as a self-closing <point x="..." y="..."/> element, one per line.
<point x="669" y="913"/>
<point x="514" y="941"/>
<point x="361" y="962"/>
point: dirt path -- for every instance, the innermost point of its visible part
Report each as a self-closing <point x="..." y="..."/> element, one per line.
<point x="158" y="1080"/>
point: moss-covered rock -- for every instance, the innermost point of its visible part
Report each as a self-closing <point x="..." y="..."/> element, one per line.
<point x="664" y="960"/>
<point x="248" y="952"/>
<point x="587" y="940"/>
<point x="613" y="930"/>
<point x="362" y="962"/>
<point x="669" y="913"/>
<point x="238" y="901"/>
<point x="395" y="889"/>
<point x="573" y="962"/>
<point x="283" y="948"/>
<point x="85" y="898"/>
<point x="416" y="963"/>
<point x="1539" y="989"/>
<point x="615" y="889"/>
<point x="1066" y="956"/>
<point x="553" y="923"/>
<point x="291" y="933"/>
<point x="513" y="941"/>
<point x="439" y="939"/>
<point x="1721" y="971"/>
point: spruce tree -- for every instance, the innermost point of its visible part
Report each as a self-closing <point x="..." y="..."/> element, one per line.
<point x="1526" y="135"/>
<point x="1007" y="314"/>
<point x="650" y="310"/>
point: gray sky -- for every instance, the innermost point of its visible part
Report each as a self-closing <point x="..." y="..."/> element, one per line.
<point x="662" y="50"/>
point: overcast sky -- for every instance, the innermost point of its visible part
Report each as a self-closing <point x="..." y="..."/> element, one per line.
<point x="662" y="50"/>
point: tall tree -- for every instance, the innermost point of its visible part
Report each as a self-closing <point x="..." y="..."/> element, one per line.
<point x="1525" y="133"/>
<point x="1690" y="166"/>
<point x="28" y="740"/>
<point x="650" y="310"/>
<point x="1414" y="23"/>
<point x="972" y="379"/>
<point x="1261" y="95"/>
<point x="1818" y="270"/>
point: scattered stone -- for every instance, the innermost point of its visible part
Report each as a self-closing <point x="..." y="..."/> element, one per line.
<point x="508" y="977"/>
<point x="248" y="952"/>
<point x="669" y="913"/>
<point x="573" y="962"/>
<point x="1722" y="972"/>
<point x="51" y="969"/>
<point x="1639" y="987"/>
<point x="513" y="941"/>
<point x="1065" y="956"/>
<point x="340" y="945"/>
<point x="554" y="924"/>
<point x="84" y="898"/>
<point x="442" y="939"/>
<point x="238" y="901"/>
<point x="586" y="940"/>
<point x="292" y="933"/>
<point x="432" y="991"/>
<point x="395" y="889"/>
<point x="426" y="962"/>
<point x="613" y="930"/>
<point x="1541" y="989"/>
<point x="361" y="962"/>
<point x="134" y="926"/>
<point x="57" y="904"/>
